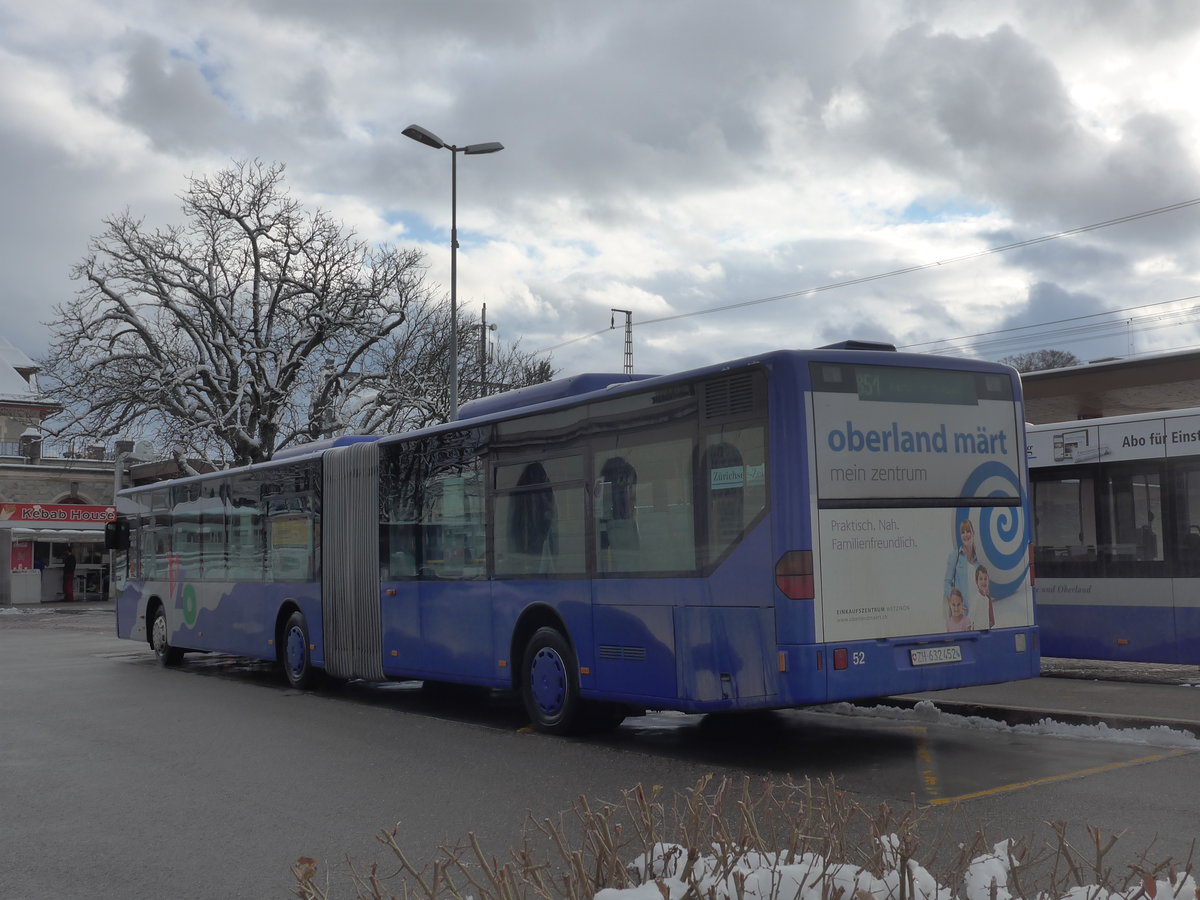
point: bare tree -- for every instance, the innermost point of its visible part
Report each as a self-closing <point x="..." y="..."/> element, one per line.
<point x="1037" y="360"/>
<point x="218" y="337"/>
<point x="402" y="384"/>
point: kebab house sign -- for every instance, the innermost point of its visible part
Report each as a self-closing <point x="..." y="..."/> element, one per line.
<point x="54" y="515"/>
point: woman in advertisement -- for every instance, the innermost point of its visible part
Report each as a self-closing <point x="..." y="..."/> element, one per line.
<point x="961" y="566"/>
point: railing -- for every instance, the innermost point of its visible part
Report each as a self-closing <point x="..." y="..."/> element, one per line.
<point x="56" y="449"/>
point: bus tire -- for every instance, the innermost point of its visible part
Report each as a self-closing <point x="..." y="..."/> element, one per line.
<point x="295" y="655"/>
<point x="160" y="641"/>
<point x="550" y="683"/>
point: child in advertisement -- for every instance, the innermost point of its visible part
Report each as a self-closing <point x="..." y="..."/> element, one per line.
<point x="983" y="586"/>
<point x="956" y="616"/>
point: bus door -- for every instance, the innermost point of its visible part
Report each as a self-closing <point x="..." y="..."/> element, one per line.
<point x="455" y="594"/>
<point x="433" y="554"/>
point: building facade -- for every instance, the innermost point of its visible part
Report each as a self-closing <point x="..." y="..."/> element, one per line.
<point x="54" y="496"/>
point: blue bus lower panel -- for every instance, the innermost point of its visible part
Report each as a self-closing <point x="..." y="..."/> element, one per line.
<point x="220" y="617"/>
<point x="803" y="675"/>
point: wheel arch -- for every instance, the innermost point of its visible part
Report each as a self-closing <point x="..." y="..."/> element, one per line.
<point x="286" y="608"/>
<point x="153" y="603"/>
<point x="540" y="615"/>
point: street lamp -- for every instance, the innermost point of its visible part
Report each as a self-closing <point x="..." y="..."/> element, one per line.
<point x="429" y="139"/>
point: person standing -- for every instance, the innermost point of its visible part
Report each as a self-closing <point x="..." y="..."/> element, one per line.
<point x="68" y="561"/>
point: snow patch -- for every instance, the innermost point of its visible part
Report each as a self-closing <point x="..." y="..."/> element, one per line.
<point x="670" y="872"/>
<point x="926" y="712"/>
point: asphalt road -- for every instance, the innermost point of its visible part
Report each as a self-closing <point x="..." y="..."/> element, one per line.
<point x="122" y="779"/>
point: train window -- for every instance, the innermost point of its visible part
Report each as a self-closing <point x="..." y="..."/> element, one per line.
<point x="1064" y="510"/>
<point x="1186" y="495"/>
<point x="1064" y="507"/>
<point x="1130" y="513"/>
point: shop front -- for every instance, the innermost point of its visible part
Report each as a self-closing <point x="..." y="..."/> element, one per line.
<point x="35" y="539"/>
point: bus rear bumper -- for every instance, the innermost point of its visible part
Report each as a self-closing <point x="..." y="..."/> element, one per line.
<point x="880" y="668"/>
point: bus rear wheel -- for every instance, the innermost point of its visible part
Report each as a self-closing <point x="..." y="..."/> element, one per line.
<point x="297" y="659"/>
<point x="550" y="683"/>
<point x="160" y="642"/>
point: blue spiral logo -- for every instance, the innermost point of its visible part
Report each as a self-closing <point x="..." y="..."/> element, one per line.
<point x="1001" y="532"/>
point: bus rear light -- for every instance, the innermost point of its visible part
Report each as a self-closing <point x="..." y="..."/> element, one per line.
<point x="794" y="575"/>
<point x="841" y="658"/>
<point x="1032" y="576"/>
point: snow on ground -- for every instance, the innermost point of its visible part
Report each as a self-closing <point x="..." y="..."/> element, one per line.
<point x="926" y="713"/>
<point x="669" y="875"/>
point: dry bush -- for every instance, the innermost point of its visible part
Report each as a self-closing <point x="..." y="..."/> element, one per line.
<point x="710" y="836"/>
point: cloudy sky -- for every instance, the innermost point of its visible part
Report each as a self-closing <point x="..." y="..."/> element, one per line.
<point x="678" y="159"/>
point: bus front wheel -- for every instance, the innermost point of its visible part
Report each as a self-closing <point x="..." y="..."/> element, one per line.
<point x="297" y="659"/>
<point x="550" y="683"/>
<point x="160" y="642"/>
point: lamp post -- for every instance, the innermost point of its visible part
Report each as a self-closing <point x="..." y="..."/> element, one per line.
<point x="429" y="139"/>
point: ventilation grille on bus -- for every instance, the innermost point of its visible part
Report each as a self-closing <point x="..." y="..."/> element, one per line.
<point x="613" y="651"/>
<point x="732" y="396"/>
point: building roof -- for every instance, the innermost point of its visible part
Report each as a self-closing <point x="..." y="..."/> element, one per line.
<point x="15" y="359"/>
<point x="1113" y="387"/>
<point x="18" y="383"/>
<point x="12" y="385"/>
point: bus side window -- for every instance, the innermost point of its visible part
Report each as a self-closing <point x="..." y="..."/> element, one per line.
<point x="735" y="481"/>
<point x="399" y="511"/>
<point x="616" y="512"/>
<point x="540" y="518"/>
<point x="532" y="528"/>
<point x="642" y="489"/>
<point x="453" y="524"/>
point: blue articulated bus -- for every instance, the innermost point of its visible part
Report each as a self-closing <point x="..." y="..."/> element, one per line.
<point x="788" y="529"/>
<point x="1117" y="536"/>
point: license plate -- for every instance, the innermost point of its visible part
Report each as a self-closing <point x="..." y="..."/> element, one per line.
<point x="931" y="656"/>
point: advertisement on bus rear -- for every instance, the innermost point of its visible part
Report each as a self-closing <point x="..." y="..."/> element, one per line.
<point x="921" y="522"/>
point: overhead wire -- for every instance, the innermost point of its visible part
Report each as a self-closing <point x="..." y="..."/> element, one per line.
<point x="1004" y="338"/>
<point x="865" y="279"/>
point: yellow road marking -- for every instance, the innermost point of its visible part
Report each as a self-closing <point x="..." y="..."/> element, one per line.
<point x="925" y="762"/>
<point x="1050" y="779"/>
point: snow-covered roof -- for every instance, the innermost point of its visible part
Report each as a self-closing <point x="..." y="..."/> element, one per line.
<point x="15" y="358"/>
<point x="14" y="367"/>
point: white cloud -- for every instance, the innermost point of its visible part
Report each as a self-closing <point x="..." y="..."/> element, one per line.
<point x="668" y="158"/>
